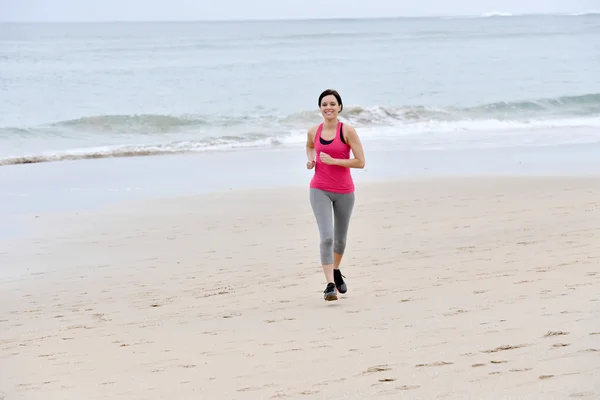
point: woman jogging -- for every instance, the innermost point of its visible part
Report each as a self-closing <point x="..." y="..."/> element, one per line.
<point x="328" y="147"/>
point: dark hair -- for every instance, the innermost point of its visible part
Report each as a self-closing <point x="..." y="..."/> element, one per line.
<point x="335" y="94"/>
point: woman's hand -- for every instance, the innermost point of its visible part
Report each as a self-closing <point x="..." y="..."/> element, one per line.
<point x="310" y="164"/>
<point x="327" y="159"/>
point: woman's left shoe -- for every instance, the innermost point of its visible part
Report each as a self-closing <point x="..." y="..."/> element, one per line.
<point x="339" y="281"/>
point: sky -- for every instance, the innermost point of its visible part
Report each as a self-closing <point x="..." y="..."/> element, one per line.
<point x="159" y="10"/>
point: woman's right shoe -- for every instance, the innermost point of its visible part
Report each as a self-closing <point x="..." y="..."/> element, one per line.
<point x="330" y="292"/>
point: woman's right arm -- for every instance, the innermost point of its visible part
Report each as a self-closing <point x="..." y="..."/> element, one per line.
<point x="310" y="145"/>
<point x="310" y="148"/>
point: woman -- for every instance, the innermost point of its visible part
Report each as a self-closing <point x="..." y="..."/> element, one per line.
<point x="328" y="147"/>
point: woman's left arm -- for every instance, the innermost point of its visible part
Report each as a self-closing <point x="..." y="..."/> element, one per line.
<point x="357" y="150"/>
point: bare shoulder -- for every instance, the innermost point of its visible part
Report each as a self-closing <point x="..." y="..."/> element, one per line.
<point x="310" y="135"/>
<point x="312" y="131"/>
<point x="349" y="128"/>
<point x="350" y="132"/>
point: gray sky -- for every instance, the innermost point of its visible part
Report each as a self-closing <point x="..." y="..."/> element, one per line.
<point x="118" y="10"/>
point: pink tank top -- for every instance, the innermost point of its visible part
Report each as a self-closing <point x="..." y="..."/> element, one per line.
<point x="332" y="178"/>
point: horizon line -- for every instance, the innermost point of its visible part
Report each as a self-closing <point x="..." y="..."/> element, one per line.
<point x="493" y="14"/>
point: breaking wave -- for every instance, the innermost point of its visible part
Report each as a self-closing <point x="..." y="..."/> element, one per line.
<point x="128" y="135"/>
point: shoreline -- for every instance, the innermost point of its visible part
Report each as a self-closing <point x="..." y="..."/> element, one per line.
<point x="482" y="284"/>
<point x="529" y="136"/>
<point x="87" y="184"/>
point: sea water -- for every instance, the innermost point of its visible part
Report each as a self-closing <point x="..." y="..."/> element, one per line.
<point x="95" y="90"/>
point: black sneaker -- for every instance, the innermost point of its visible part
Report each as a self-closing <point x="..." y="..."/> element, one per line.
<point x="330" y="293"/>
<point x="338" y="278"/>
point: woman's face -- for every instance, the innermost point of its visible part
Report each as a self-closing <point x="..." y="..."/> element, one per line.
<point x="330" y="107"/>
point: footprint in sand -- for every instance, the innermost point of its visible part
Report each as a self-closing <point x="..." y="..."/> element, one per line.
<point x="504" y="348"/>
<point x="253" y="389"/>
<point x="309" y="392"/>
<point x="247" y="389"/>
<point x="377" y="368"/>
<point x="408" y="387"/>
<point x="556" y="333"/>
<point x="455" y="312"/>
<point x="435" y="364"/>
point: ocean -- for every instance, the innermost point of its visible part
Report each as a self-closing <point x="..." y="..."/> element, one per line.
<point x="101" y="90"/>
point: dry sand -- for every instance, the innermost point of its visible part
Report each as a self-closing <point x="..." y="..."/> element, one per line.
<point x="465" y="288"/>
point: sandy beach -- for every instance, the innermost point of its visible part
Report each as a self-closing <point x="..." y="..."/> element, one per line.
<point x="458" y="288"/>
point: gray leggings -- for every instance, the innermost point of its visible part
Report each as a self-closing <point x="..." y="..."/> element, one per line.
<point x="333" y="228"/>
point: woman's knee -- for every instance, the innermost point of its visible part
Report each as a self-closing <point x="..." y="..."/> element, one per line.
<point x="327" y="250"/>
<point x="339" y="245"/>
<point x="327" y="242"/>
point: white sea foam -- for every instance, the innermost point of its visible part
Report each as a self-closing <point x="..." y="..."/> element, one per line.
<point x="421" y="134"/>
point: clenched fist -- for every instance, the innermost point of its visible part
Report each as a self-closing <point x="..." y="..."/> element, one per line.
<point x="326" y="158"/>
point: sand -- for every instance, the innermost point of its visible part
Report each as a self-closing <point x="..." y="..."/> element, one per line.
<point x="459" y="288"/>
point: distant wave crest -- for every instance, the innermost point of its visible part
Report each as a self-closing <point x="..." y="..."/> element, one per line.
<point x="496" y="14"/>
<point x="502" y="14"/>
<point x="132" y="123"/>
<point x="564" y="106"/>
<point x="587" y="104"/>
<point x="585" y="14"/>
<point x="583" y="104"/>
